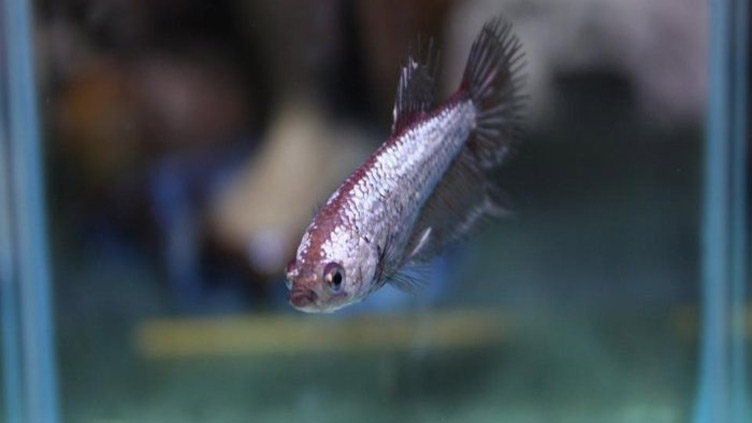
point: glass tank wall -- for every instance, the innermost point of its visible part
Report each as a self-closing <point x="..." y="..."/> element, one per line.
<point x="161" y="160"/>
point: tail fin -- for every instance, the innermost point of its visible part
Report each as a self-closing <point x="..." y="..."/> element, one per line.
<point x="493" y="78"/>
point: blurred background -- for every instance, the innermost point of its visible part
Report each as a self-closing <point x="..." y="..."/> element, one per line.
<point x="187" y="144"/>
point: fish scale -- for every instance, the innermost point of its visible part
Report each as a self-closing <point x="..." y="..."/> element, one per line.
<point x="402" y="185"/>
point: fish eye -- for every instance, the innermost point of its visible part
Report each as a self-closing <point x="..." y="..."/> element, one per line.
<point x="334" y="275"/>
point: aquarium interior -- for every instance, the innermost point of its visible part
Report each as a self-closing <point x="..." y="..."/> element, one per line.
<point x="160" y="161"/>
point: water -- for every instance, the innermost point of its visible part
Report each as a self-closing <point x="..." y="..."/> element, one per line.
<point x="618" y="291"/>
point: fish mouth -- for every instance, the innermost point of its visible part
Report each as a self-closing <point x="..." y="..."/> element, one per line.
<point x="302" y="297"/>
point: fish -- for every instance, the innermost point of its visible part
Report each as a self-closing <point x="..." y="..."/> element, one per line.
<point x="428" y="185"/>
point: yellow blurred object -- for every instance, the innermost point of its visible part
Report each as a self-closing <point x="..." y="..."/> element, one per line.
<point x="300" y="334"/>
<point x="266" y="206"/>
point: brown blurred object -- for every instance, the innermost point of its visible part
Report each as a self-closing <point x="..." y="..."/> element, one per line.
<point x="388" y="28"/>
<point x="97" y="119"/>
<point x="190" y="100"/>
<point x="114" y="114"/>
<point x="299" y="39"/>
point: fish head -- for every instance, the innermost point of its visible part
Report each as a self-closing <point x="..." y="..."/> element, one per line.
<point x="330" y="272"/>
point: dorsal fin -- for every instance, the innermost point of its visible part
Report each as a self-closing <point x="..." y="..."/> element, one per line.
<point x="416" y="87"/>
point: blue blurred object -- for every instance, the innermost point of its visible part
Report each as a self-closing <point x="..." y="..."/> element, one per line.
<point x="177" y="219"/>
<point x="723" y="394"/>
<point x="181" y="189"/>
<point x="29" y="369"/>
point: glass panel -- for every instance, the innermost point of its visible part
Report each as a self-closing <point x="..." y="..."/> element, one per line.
<point x="724" y="372"/>
<point x="28" y="353"/>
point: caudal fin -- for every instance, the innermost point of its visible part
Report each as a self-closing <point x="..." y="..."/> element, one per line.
<point x="494" y="78"/>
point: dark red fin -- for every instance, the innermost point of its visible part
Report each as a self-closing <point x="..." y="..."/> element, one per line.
<point x="416" y="88"/>
<point x="493" y="78"/>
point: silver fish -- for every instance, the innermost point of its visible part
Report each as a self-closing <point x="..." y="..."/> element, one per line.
<point x="428" y="185"/>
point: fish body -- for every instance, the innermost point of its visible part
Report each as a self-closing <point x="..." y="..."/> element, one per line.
<point x="425" y="187"/>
